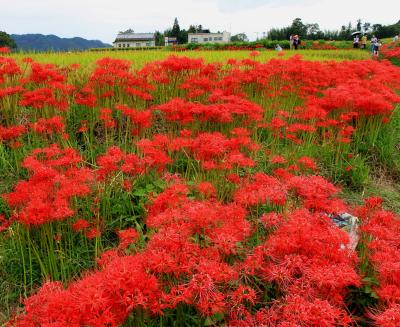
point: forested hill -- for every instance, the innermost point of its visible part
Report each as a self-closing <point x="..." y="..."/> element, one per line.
<point x="40" y="42"/>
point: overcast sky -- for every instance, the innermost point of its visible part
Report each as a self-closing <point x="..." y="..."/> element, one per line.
<point x="102" y="19"/>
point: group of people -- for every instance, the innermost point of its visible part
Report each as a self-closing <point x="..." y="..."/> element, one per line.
<point x="294" y="41"/>
<point x="375" y="43"/>
<point x="357" y="43"/>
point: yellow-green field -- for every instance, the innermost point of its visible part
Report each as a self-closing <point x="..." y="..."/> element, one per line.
<point x="140" y="57"/>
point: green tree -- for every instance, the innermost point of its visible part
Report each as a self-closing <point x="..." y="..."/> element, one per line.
<point x="195" y="28"/>
<point x="313" y="31"/>
<point x="7" y="41"/>
<point x="366" y="27"/>
<point x="183" y="36"/>
<point x="241" y="37"/>
<point x="175" y="29"/>
<point x="160" y="41"/>
<point x="298" y="27"/>
<point x="349" y="28"/>
<point x="359" y="25"/>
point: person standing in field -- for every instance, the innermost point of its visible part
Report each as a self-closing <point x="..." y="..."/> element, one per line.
<point x="396" y="38"/>
<point x="356" y="42"/>
<point x="296" y="42"/>
<point x="291" y="39"/>
<point x="377" y="45"/>
<point x="364" y="41"/>
<point x="373" y="41"/>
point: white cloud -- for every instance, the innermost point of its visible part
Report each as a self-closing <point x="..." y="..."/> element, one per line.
<point x="102" y="19"/>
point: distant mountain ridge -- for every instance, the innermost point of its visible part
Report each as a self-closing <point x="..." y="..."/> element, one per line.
<point x="40" y="42"/>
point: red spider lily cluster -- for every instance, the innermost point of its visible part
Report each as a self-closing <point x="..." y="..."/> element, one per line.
<point x="391" y="50"/>
<point x="383" y="230"/>
<point x="240" y="231"/>
<point x="54" y="180"/>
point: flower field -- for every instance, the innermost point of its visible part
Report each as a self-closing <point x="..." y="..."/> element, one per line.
<point x="197" y="190"/>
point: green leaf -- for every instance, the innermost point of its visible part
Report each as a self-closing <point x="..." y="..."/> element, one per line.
<point x="139" y="192"/>
<point x="214" y="319"/>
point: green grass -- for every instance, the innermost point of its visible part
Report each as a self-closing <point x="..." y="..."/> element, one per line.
<point x="388" y="190"/>
<point x="140" y="58"/>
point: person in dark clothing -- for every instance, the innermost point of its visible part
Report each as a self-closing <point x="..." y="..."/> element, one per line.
<point x="296" y="42"/>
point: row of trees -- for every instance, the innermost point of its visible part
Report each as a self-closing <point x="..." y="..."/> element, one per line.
<point x="176" y="31"/>
<point x="313" y="31"/>
<point x="310" y="31"/>
<point x="182" y="34"/>
<point x="7" y="41"/>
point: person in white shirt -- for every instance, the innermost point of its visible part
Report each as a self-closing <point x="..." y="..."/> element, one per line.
<point x="374" y="40"/>
<point x="356" y="41"/>
<point x="378" y="44"/>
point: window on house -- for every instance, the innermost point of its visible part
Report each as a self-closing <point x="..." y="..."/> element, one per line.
<point x="194" y="40"/>
<point x="220" y="38"/>
<point x="119" y="45"/>
<point x="215" y="38"/>
<point x="138" y="44"/>
<point x="128" y="45"/>
<point x="123" y="45"/>
<point x="148" y="44"/>
<point x="205" y="39"/>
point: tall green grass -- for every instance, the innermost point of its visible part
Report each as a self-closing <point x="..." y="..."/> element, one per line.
<point x="140" y="58"/>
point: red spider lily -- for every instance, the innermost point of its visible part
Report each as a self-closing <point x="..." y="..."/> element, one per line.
<point x="76" y="305"/>
<point x="391" y="50"/>
<point x="142" y="119"/>
<point x="49" y="126"/>
<point x="294" y="258"/>
<point x="138" y="93"/>
<point x="227" y="108"/>
<point x="206" y="189"/>
<point x="127" y="237"/>
<point x="197" y="250"/>
<point x="86" y="97"/>
<point x="308" y="163"/>
<point x="80" y="225"/>
<point x="390" y="317"/>
<point x="54" y="180"/>
<point x="110" y="71"/>
<point x="272" y="220"/>
<point x="13" y="132"/>
<point x="224" y="226"/>
<point x="92" y="233"/>
<point x="261" y="189"/>
<point x="7" y="91"/>
<point x="296" y="310"/>
<point x="317" y="193"/>
<point x="5" y="50"/>
<point x="277" y="160"/>
<point x="106" y="117"/>
<point x="384" y="229"/>
<point x="45" y="74"/>
<point x="8" y="68"/>
<point x="4" y="223"/>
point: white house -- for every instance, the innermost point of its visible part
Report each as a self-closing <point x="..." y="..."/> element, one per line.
<point x="129" y="39"/>
<point x="207" y="37"/>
